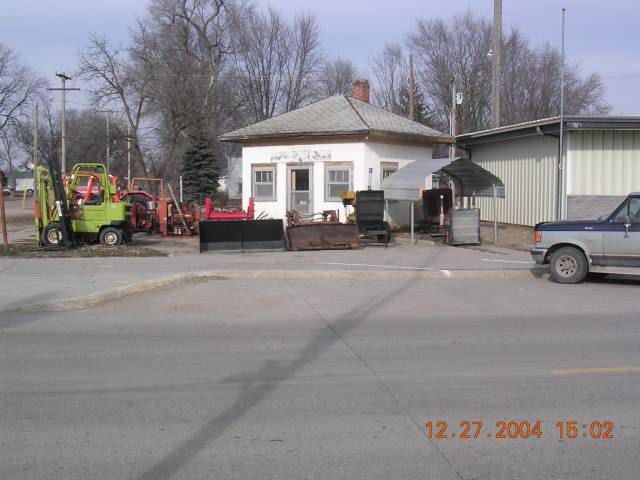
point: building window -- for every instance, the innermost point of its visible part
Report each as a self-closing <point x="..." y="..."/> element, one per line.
<point x="264" y="184"/>
<point x="387" y="168"/>
<point x="337" y="180"/>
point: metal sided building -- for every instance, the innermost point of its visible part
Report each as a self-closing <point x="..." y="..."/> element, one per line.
<point x="601" y="163"/>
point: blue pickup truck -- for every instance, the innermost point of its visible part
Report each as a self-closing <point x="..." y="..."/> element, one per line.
<point x="575" y="249"/>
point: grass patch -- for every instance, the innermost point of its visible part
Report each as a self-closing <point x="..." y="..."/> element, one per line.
<point x="33" y="250"/>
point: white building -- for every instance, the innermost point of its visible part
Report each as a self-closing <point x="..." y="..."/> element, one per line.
<point x="303" y="159"/>
<point x="601" y="165"/>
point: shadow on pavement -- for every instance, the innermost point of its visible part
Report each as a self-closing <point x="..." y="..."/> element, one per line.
<point x="255" y="386"/>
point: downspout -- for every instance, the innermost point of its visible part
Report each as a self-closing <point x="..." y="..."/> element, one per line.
<point x="559" y="171"/>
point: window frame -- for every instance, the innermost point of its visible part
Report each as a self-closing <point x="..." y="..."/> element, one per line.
<point x="387" y="166"/>
<point x="342" y="167"/>
<point x="264" y="168"/>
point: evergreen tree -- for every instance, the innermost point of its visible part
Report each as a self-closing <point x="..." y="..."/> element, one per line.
<point x="419" y="105"/>
<point x="199" y="167"/>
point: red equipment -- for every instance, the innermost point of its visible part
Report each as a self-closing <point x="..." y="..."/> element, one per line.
<point x="159" y="213"/>
<point x="212" y="214"/>
<point x="174" y="222"/>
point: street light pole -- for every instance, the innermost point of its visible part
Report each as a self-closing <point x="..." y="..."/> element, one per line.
<point x="562" y="201"/>
<point x="452" y="124"/>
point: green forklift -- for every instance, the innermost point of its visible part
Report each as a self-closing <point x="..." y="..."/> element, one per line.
<point x="83" y="205"/>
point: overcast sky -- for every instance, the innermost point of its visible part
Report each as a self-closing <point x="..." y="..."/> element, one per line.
<point x="601" y="35"/>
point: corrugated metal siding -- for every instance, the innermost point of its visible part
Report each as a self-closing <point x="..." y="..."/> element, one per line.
<point x="604" y="162"/>
<point x="527" y="166"/>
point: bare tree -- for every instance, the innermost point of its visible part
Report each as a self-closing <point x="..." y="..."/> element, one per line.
<point x="276" y="63"/>
<point x="389" y="72"/>
<point x="48" y="137"/>
<point x="303" y="60"/>
<point x="336" y="77"/>
<point x="19" y="84"/>
<point x="8" y="153"/>
<point x="121" y="78"/>
<point x="445" y="51"/>
<point x="530" y="83"/>
<point x="186" y="45"/>
<point x="261" y="57"/>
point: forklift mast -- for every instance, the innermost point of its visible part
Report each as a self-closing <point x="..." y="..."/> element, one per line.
<point x="61" y="201"/>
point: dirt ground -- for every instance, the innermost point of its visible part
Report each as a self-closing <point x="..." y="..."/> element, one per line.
<point x="22" y="237"/>
<point x="516" y="237"/>
<point x="20" y="228"/>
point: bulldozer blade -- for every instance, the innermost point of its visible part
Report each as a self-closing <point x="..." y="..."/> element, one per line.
<point x="323" y="236"/>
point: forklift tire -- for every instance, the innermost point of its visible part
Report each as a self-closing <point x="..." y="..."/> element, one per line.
<point x="52" y="235"/>
<point x="111" y="237"/>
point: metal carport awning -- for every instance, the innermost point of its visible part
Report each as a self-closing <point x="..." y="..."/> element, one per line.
<point x="406" y="183"/>
<point x="473" y="179"/>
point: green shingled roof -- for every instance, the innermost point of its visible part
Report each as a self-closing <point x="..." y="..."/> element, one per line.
<point x="338" y="115"/>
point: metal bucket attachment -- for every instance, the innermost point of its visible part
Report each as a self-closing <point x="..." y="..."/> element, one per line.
<point x="322" y="236"/>
<point x="241" y="235"/>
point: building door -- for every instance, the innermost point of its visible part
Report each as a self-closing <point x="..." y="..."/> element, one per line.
<point x="300" y="190"/>
<point x="621" y="240"/>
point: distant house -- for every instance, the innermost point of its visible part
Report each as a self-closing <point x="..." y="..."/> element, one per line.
<point x="602" y="165"/>
<point x="303" y="159"/>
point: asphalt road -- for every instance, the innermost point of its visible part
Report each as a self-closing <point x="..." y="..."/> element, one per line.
<point x="325" y="379"/>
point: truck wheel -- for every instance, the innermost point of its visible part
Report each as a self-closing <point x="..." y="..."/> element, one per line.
<point x="111" y="237"/>
<point x="568" y="265"/>
<point x="52" y="235"/>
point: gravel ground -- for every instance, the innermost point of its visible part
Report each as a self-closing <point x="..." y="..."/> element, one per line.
<point x="516" y="237"/>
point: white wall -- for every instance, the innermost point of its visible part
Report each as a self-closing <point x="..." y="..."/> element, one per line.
<point x="603" y="162"/>
<point x="363" y="155"/>
<point x="339" y="152"/>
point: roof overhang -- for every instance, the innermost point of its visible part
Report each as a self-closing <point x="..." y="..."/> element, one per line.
<point x="548" y="126"/>
<point x="373" y="134"/>
<point x="229" y="137"/>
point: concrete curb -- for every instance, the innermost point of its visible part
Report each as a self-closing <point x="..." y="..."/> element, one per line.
<point x="358" y="274"/>
<point x="96" y="298"/>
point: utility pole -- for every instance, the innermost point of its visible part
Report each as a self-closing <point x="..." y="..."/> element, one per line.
<point x="562" y="173"/>
<point x="452" y="124"/>
<point x="108" y="113"/>
<point x="412" y="85"/>
<point x="497" y="63"/>
<point x="129" y="155"/>
<point x="63" y="102"/>
<point x="3" y="218"/>
<point x="35" y="137"/>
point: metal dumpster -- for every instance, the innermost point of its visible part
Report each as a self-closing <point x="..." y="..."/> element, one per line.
<point x="370" y="215"/>
<point x="464" y="227"/>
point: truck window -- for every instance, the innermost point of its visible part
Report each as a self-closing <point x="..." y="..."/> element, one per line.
<point x="631" y="208"/>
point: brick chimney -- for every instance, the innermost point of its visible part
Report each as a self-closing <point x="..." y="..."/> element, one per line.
<point x="360" y="90"/>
